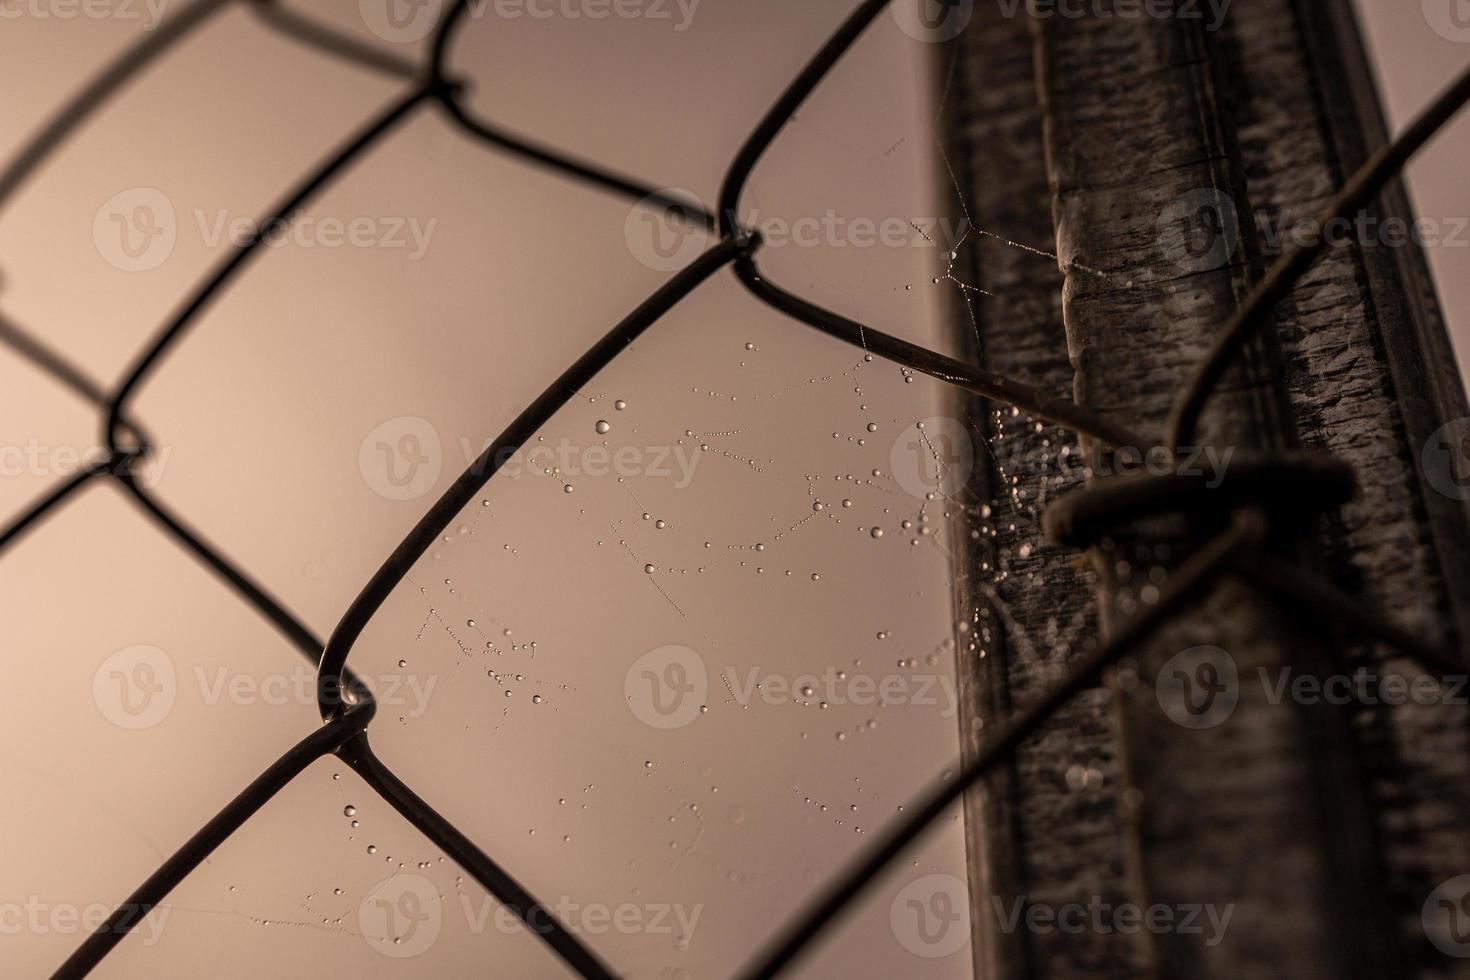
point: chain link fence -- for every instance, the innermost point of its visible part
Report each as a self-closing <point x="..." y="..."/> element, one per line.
<point x="1244" y="502"/>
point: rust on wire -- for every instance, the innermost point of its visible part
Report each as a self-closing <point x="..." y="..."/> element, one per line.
<point x="1242" y="510"/>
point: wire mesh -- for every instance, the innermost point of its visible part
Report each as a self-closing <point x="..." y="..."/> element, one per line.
<point x="346" y="705"/>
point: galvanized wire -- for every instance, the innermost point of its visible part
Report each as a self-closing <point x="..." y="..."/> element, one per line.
<point x="1245" y="503"/>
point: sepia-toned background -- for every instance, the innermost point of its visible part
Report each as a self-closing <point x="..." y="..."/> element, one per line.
<point x="714" y="505"/>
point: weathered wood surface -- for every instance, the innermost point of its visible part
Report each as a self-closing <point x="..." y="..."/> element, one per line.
<point x="1325" y="827"/>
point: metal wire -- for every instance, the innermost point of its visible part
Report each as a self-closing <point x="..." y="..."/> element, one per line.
<point x="1248" y="501"/>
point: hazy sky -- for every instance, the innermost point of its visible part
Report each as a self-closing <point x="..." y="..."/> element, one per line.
<point x="726" y="479"/>
<point x="324" y="400"/>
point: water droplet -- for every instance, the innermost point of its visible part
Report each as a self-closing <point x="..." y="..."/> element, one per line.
<point x="649" y="568"/>
<point x="620" y="404"/>
<point x="536" y="699"/>
<point x="372" y="848"/>
<point x="403" y="663"/>
<point x="349" y="811"/>
<point x="604" y="426"/>
<point x="877" y="532"/>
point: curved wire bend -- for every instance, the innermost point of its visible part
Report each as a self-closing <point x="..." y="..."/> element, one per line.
<point x="346" y="705"/>
<point x="535" y="415"/>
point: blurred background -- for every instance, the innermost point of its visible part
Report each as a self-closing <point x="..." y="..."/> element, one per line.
<point x="737" y="498"/>
<point x="726" y="488"/>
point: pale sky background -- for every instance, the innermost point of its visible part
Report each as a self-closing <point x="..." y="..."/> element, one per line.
<point x="1415" y="62"/>
<point x="274" y="414"/>
<point x="271" y="417"/>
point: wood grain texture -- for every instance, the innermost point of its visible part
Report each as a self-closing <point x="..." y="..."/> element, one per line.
<point x="1324" y="826"/>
